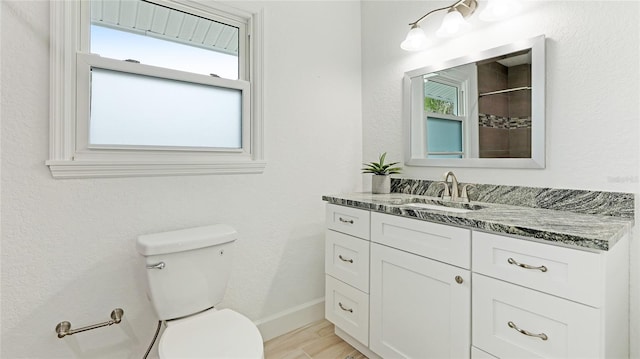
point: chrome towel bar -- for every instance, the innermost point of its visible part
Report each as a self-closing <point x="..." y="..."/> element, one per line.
<point x="64" y="328"/>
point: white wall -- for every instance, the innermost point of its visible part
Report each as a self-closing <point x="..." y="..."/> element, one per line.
<point x="68" y="245"/>
<point x="592" y="102"/>
<point x="68" y="248"/>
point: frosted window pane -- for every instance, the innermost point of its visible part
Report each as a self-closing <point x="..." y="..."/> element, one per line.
<point x="444" y="135"/>
<point x="128" y="109"/>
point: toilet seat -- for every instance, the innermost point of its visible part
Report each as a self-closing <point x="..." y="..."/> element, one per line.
<point x="212" y="334"/>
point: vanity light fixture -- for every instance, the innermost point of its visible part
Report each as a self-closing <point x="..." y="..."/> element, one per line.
<point x="453" y="22"/>
<point x="499" y="10"/>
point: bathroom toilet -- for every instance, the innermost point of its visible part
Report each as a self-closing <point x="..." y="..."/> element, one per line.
<point x="187" y="273"/>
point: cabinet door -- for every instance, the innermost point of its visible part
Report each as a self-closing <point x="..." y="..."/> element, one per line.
<point x="418" y="308"/>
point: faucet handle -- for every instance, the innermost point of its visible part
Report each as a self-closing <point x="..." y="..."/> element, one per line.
<point x="465" y="192"/>
<point x="446" y="194"/>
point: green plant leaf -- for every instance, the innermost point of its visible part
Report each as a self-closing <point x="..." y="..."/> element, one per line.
<point x="382" y="156"/>
<point x="380" y="168"/>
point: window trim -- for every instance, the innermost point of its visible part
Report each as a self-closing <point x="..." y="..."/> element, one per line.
<point x="465" y="81"/>
<point x="85" y="62"/>
<point x="68" y="158"/>
<point x="461" y="84"/>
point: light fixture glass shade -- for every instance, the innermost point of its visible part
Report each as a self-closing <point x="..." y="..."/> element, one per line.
<point x="499" y="10"/>
<point x="416" y="40"/>
<point x="452" y="24"/>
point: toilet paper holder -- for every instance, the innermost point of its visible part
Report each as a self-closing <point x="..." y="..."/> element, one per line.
<point x="64" y="328"/>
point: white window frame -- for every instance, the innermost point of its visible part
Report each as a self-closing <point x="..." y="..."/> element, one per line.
<point x="460" y="86"/>
<point x="71" y="156"/>
<point x="465" y="79"/>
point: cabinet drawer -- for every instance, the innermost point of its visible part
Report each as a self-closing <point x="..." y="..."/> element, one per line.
<point x="565" y="272"/>
<point x="347" y="259"/>
<point x="348" y="220"/>
<point x="347" y="308"/>
<point x="440" y="242"/>
<point x="499" y="309"/>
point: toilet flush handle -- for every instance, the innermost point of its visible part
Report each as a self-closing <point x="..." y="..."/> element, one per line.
<point x="156" y="266"/>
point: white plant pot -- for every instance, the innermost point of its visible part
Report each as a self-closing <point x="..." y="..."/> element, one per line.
<point x="380" y="184"/>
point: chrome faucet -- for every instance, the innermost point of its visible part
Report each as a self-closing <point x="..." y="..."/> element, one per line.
<point x="453" y="193"/>
<point x="454" y="185"/>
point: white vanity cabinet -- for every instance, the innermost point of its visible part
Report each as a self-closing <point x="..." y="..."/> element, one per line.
<point x="399" y="287"/>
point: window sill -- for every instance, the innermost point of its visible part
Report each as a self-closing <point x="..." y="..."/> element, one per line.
<point x="96" y="169"/>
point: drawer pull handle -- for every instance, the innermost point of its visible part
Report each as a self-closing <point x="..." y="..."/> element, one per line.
<point x="345" y="309"/>
<point x="526" y="266"/>
<point x="160" y="265"/>
<point x="350" y="221"/>
<point x="541" y="335"/>
<point x="345" y="260"/>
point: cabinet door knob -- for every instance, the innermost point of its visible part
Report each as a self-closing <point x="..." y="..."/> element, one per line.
<point x="349" y="221"/>
<point x="345" y="259"/>
<point x="459" y="279"/>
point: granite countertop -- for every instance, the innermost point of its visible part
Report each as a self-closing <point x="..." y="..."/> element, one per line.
<point x="583" y="231"/>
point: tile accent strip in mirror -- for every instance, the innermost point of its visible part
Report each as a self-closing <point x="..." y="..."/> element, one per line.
<point x="494" y="121"/>
<point x="617" y="204"/>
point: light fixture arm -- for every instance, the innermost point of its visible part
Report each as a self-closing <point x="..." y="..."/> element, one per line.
<point x="429" y="13"/>
<point x="465" y="7"/>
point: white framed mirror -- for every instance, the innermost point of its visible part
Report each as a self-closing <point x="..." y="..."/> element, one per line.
<point x="485" y="109"/>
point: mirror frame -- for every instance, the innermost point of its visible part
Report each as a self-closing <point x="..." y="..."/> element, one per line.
<point x="538" y="73"/>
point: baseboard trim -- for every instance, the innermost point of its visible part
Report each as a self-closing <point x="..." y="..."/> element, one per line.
<point x="291" y="319"/>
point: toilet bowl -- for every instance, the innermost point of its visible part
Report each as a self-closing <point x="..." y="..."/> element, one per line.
<point x="187" y="274"/>
<point x="211" y="334"/>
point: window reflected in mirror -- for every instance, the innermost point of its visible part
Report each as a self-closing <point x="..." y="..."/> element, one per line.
<point x="443" y="116"/>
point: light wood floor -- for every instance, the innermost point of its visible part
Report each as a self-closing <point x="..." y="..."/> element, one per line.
<point x="315" y="341"/>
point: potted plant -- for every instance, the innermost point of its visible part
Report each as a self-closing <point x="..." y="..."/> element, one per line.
<point x="381" y="182"/>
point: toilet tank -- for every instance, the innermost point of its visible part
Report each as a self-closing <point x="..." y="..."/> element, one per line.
<point x="196" y="269"/>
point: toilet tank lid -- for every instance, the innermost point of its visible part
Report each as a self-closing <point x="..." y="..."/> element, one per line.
<point x="185" y="239"/>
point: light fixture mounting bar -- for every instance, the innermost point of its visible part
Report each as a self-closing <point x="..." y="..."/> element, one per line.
<point x="427" y="14"/>
<point x="464" y="7"/>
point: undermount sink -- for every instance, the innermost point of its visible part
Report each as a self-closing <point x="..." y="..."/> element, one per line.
<point x="441" y="205"/>
<point x="438" y="207"/>
<point x="431" y="203"/>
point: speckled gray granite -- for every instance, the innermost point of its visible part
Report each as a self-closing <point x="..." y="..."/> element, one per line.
<point x="560" y="227"/>
<point x="616" y="204"/>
